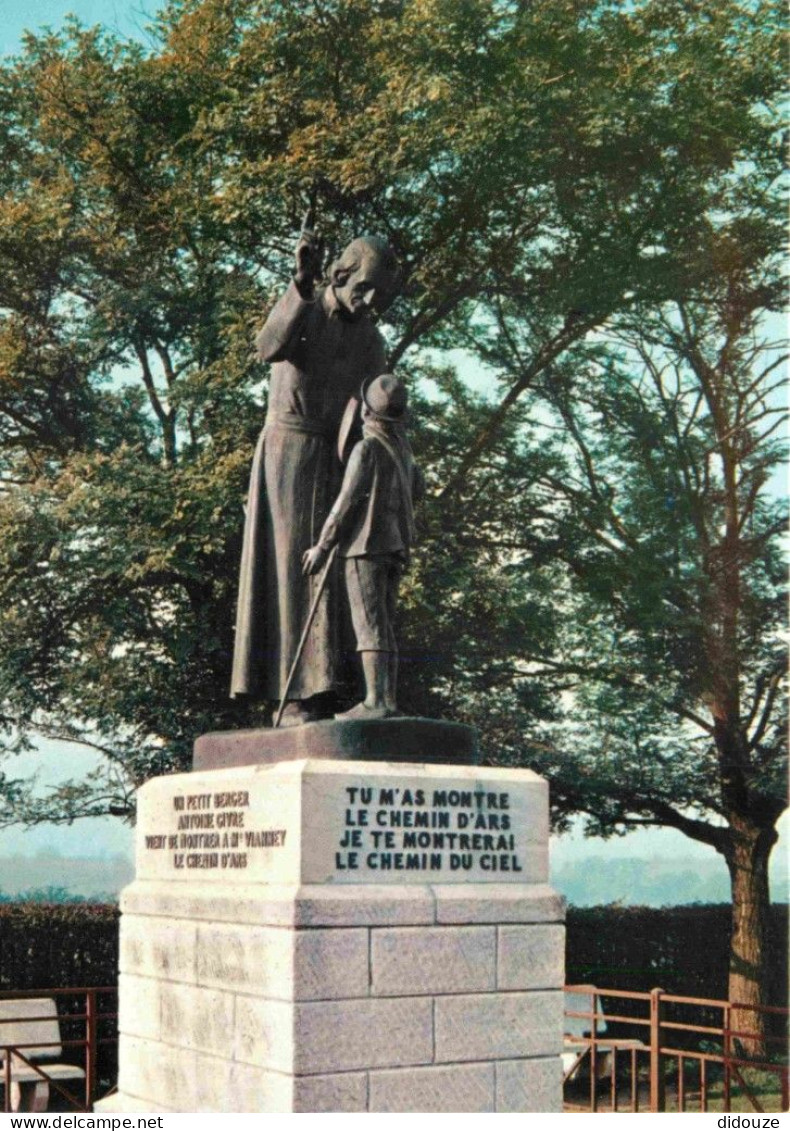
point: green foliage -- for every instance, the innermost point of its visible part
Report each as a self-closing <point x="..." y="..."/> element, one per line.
<point x="56" y="945"/>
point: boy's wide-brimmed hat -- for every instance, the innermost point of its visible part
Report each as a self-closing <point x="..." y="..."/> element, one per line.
<point x="386" y="398"/>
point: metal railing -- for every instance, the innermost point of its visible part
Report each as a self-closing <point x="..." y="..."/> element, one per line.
<point x="664" y="1052"/>
<point x="639" y="1051"/>
<point x="88" y="1014"/>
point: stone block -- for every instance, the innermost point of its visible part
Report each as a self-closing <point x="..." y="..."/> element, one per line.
<point x="329" y="963"/>
<point x="284" y="964"/>
<point x="212" y="1084"/>
<point x="263" y="1033"/>
<point x="253" y="1089"/>
<point x="250" y="959"/>
<point x="363" y="905"/>
<point x="529" y="1085"/>
<point x="196" y="1018"/>
<point x="178" y="1079"/>
<point x="343" y="1091"/>
<point x="258" y="1090"/>
<point x="531" y="957"/>
<point x="151" y="1069"/>
<point x="498" y="903"/>
<point x="139" y="1006"/>
<point x="183" y="1080"/>
<point x="456" y="1088"/>
<point x="158" y="948"/>
<point x="261" y="905"/>
<point x="498" y="1026"/>
<point x="240" y="957"/>
<point x="372" y="1033"/>
<point x="122" y="1104"/>
<point x="432" y="960"/>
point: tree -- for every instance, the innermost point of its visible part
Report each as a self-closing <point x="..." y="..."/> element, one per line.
<point x="673" y="546"/>
<point x="546" y="172"/>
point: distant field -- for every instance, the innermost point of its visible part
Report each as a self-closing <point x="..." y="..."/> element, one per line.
<point x="61" y="876"/>
<point x="659" y="881"/>
<point x="629" y="880"/>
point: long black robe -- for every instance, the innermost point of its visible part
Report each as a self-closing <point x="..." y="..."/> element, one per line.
<point x="320" y="361"/>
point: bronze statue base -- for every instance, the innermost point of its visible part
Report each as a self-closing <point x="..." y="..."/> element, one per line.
<point x="361" y="740"/>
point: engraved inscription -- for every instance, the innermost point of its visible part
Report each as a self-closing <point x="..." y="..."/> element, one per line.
<point x="211" y="832"/>
<point x="427" y="830"/>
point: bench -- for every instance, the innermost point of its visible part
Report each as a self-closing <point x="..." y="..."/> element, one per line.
<point x="33" y="1022"/>
<point x="577" y="1041"/>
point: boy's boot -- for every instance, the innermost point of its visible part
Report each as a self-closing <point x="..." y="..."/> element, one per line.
<point x="376" y="670"/>
<point x="392" y="689"/>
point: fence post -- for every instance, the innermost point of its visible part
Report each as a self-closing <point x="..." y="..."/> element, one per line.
<point x="91" y="1045"/>
<point x="657" y="1087"/>
<point x="727" y="1051"/>
<point x="593" y="1050"/>
<point x="7" y="1080"/>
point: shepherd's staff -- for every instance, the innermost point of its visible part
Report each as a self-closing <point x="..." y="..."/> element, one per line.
<point x="305" y="632"/>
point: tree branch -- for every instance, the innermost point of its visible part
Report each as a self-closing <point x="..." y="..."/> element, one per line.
<point x="164" y="416"/>
<point x="572" y="331"/>
<point x="618" y="679"/>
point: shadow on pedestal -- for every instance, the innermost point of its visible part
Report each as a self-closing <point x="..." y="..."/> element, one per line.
<point x="366" y="740"/>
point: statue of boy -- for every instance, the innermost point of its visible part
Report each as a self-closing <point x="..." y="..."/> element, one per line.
<point x="323" y="345"/>
<point x="373" y="522"/>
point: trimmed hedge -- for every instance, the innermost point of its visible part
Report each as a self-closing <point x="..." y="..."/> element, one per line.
<point x="684" y="950"/>
<point x="53" y="945"/>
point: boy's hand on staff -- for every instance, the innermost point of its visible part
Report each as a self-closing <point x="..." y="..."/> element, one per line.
<point x="313" y="559"/>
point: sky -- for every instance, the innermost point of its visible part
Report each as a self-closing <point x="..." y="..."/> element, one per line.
<point x="125" y="17"/>
<point x="96" y="838"/>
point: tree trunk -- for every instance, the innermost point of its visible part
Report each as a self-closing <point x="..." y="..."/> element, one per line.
<point x="747" y="859"/>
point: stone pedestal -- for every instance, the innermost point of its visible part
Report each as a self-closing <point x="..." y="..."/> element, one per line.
<point x="402" y="739"/>
<point x="325" y="936"/>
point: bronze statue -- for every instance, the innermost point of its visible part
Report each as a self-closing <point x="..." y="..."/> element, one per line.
<point x="324" y="346"/>
<point x="372" y="522"/>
